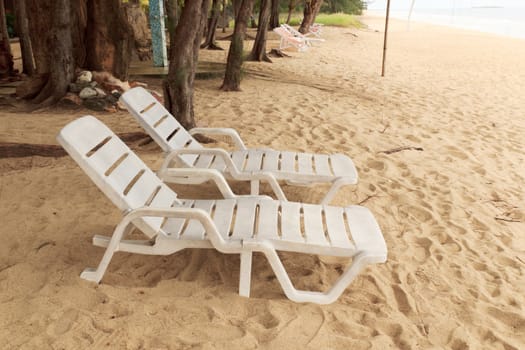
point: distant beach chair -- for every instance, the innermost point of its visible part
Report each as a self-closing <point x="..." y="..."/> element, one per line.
<point x="315" y="29"/>
<point x="234" y="225"/>
<point x="309" y="41"/>
<point x="243" y="164"/>
<point x="289" y="40"/>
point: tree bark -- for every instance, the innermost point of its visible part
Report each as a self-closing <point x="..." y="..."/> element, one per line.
<point x="178" y="87"/>
<point x="22" y="28"/>
<point x="138" y="22"/>
<point x="172" y="11"/>
<point x="209" y="43"/>
<point x="108" y="39"/>
<point x="311" y="9"/>
<point x="66" y="36"/>
<point x="291" y="7"/>
<point x="232" y="77"/>
<point x="6" y="58"/>
<point x="274" y="18"/>
<point x="62" y="71"/>
<point x="259" y="46"/>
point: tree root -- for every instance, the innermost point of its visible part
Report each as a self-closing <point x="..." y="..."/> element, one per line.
<point x="277" y="53"/>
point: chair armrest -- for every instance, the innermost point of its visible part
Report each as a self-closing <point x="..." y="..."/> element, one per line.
<point x="184" y="213"/>
<point x="232" y="169"/>
<point x="197" y="176"/>
<point x="218" y="152"/>
<point x="232" y="133"/>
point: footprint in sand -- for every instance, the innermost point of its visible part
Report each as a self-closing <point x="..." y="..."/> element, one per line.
<point x="64" y="323"/>
<point x="456" y="152"/>
<point x="376" y="164"/>
<point x="422" y="249"/>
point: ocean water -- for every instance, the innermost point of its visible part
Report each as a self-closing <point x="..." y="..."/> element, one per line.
<point x="506" y="21"/>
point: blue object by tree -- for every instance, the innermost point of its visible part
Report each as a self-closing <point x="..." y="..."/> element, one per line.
<point x="158" y="34"/>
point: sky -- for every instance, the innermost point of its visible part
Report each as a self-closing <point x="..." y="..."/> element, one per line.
<point x="443" y="4"/>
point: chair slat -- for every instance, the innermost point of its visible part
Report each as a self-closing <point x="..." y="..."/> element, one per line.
<point x="291" y="222"/>
<point x="223" y="216"/>
<point x="143" y="189"/>
<point x="336" y="227"/>
<point x="245" y="218"/>
<point x="173" y="226"/>
<point x="218" y="164"/>
<point x="204" y="161"/>
<point x="254" y="160"/>
<point x="305" y="163"/>
<point x="107" y="155"/>
<point x="268" y="220"/>
<point x="166" y="127"/>
<point x="180" y="138"/>
<point x="271" y="160"/>
<point x="322" y="167"/>
<point x="125" y="172"/>
<point x="342" y="165"/>
<point x="365" y="231"/>
<point x="288" y="162"/>
<point x="164" y="198"/>
<point x="238" y="158"/>
<point x="313" y="224"/>
<point x="195" y="230"/>
<point x="154" y="113"/>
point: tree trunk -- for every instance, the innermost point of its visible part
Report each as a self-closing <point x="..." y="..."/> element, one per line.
<point x="65" y="36"/>
<point x="212" y="27"/>
<point x="138" y="22"/>
<point x="291" y="7"/>
<point x="236" y="7"/>
<point x="6" y="58"/>
<point x="224" y="24"/>
<point x="311" y="9"/>
<point x="22" y="28"/>
<point x="172" y="11"/>
<point x="274" y="19"/>
<point x="109" y="38"/>
<point x="232" y="77"/>
<point x="178" y="87"/>
<point x="62" y="69"/>
<point x="259" y="46"/>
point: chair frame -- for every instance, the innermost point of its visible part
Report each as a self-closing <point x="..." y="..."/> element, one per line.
<point x="87" y="134"/>
<point x="175" y="155"/>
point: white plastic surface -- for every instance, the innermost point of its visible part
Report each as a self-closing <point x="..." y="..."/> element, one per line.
<point x="242" y="164"/>
<point x="237" y="225"/>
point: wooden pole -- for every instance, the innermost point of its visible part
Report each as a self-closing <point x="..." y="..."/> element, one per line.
<point x="386" y="34"/>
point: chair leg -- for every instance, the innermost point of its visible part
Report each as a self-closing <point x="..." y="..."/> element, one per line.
<point x="95" y="275"/>
<point x="302" y="296"/>
<point x="254" y="187"/>
<point x="245" y="274"/>
<point x="336" y="185"/>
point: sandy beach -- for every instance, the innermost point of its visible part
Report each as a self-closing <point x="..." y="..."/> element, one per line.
<point x="451" y="207"/>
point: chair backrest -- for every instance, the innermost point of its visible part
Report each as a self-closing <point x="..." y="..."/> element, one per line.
<point x="285" y="33"/>
<point x="292" y="30"/>
<point x="159" y="123"/>
<point x="116" y="170"/>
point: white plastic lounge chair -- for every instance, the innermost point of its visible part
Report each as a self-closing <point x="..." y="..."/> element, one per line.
<point x="235" y="225"/>
<point x="309" y="41"/>
<point x="315" y="29"/>
<point x="289" y="40"/>
<point x="243" y="164"/>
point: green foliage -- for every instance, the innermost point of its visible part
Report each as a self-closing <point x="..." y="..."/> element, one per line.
<point x="346" y="6"/>
<point x="295" y="20"/>
<point x="338" y="20"/>
<point x="10" y="20"/>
